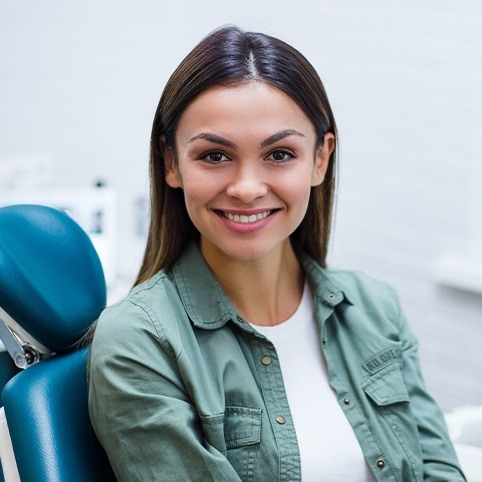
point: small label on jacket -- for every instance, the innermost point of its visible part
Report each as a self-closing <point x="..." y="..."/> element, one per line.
<point x="382" y="359"/>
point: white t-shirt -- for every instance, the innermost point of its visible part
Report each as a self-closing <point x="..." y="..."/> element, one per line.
<point x="328" y="446"/>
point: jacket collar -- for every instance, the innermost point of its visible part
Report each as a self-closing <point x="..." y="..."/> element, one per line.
<point x="321" y="282"/>
<point x="207" y="305"/>
<point x="203" y="299"/>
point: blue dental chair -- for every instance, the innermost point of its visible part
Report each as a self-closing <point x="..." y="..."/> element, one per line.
<point x="52" y="289"/>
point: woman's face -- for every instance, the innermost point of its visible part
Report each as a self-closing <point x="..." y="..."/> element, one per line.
<point x="246" y="159"/>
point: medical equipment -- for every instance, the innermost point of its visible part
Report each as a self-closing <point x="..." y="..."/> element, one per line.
<point x="52" y="288"/>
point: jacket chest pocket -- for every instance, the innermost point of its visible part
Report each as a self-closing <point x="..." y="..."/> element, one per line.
<point x="237" y="434"/>
<point x="242" y="433"/>
<point x="242" y="426"/>
<point x="397" y="424"/>
<point x="387" y="387"/>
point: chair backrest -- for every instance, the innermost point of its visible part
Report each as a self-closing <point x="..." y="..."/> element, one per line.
<point x="52" y="289"/>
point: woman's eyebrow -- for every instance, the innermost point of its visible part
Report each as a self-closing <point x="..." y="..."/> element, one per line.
<point x="214" y="138"/>
<point x="280" y="135"/>
<point x="209" y="136"/>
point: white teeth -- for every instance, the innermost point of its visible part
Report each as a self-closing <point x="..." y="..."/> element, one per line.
<point x="242" y="218"/>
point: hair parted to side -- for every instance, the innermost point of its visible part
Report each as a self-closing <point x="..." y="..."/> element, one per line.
<point x="231" y="56"/>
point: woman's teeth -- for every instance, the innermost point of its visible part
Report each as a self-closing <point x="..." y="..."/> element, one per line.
<point x="241" y="218"/>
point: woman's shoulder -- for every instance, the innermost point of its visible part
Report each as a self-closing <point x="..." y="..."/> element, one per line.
<point x="361" y="289"/>
<point x="353" y="283"/>
<point x="142" y="297"/>
<point x="369" y="295"/>
<point x="151" y="309"/>
<point x="359" y="283"/>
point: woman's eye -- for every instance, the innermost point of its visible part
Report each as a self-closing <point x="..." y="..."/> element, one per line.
<point x="280" y="155"/>
<point x="214" y="157"/>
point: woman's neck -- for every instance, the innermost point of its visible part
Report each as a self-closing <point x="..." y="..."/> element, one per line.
<point x="264" y="291"/>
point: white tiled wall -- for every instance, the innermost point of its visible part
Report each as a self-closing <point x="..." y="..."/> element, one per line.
<point x="79" y="83"/>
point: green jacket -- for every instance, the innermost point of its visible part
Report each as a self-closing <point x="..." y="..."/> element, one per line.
<point x="181" y="388"/>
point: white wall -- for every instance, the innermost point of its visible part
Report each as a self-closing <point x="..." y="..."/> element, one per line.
<point x="79" y="83"/>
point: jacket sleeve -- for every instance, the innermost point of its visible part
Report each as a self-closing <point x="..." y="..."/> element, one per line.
<point x="139" y="407"/>
<point x="440" y="460"/>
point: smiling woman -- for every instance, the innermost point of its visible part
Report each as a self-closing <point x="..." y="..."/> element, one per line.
<point x="238" y="355"/>
<point x="246" y="158"/>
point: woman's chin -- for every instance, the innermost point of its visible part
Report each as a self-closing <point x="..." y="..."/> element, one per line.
<point x="240" y="251"/>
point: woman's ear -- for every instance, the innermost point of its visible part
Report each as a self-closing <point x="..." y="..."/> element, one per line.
<point x="173" y="179"/>
<point x="322" y="159"/>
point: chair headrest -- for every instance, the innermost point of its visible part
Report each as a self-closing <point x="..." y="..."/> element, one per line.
<point x="51" y="278"/>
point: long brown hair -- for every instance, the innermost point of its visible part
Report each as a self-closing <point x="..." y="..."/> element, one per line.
<point x="231" y="56"/>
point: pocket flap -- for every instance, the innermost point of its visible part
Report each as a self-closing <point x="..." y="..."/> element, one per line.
<point x="387" y="386"/>
<point x="242" y="426"/>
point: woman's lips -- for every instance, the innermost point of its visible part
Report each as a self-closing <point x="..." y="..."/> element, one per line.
<point x="246" y="221"/>
<point x="246" y="218"/>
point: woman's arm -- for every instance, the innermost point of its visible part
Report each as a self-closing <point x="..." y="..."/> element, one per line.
<point x="139" y="407"/>
<point x="439" y="459"/>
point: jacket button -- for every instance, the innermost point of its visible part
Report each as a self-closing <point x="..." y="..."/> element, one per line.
<point x="266" y="360"/>
<point x="380" y="464"/>
<point x="280" y="419"/>
<point x="346" y="401"/>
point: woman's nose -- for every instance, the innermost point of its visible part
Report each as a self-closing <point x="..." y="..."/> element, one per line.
<point x="247" y="185"/>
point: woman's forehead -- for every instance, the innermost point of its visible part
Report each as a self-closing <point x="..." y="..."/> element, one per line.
<point x="249" y="107"/>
